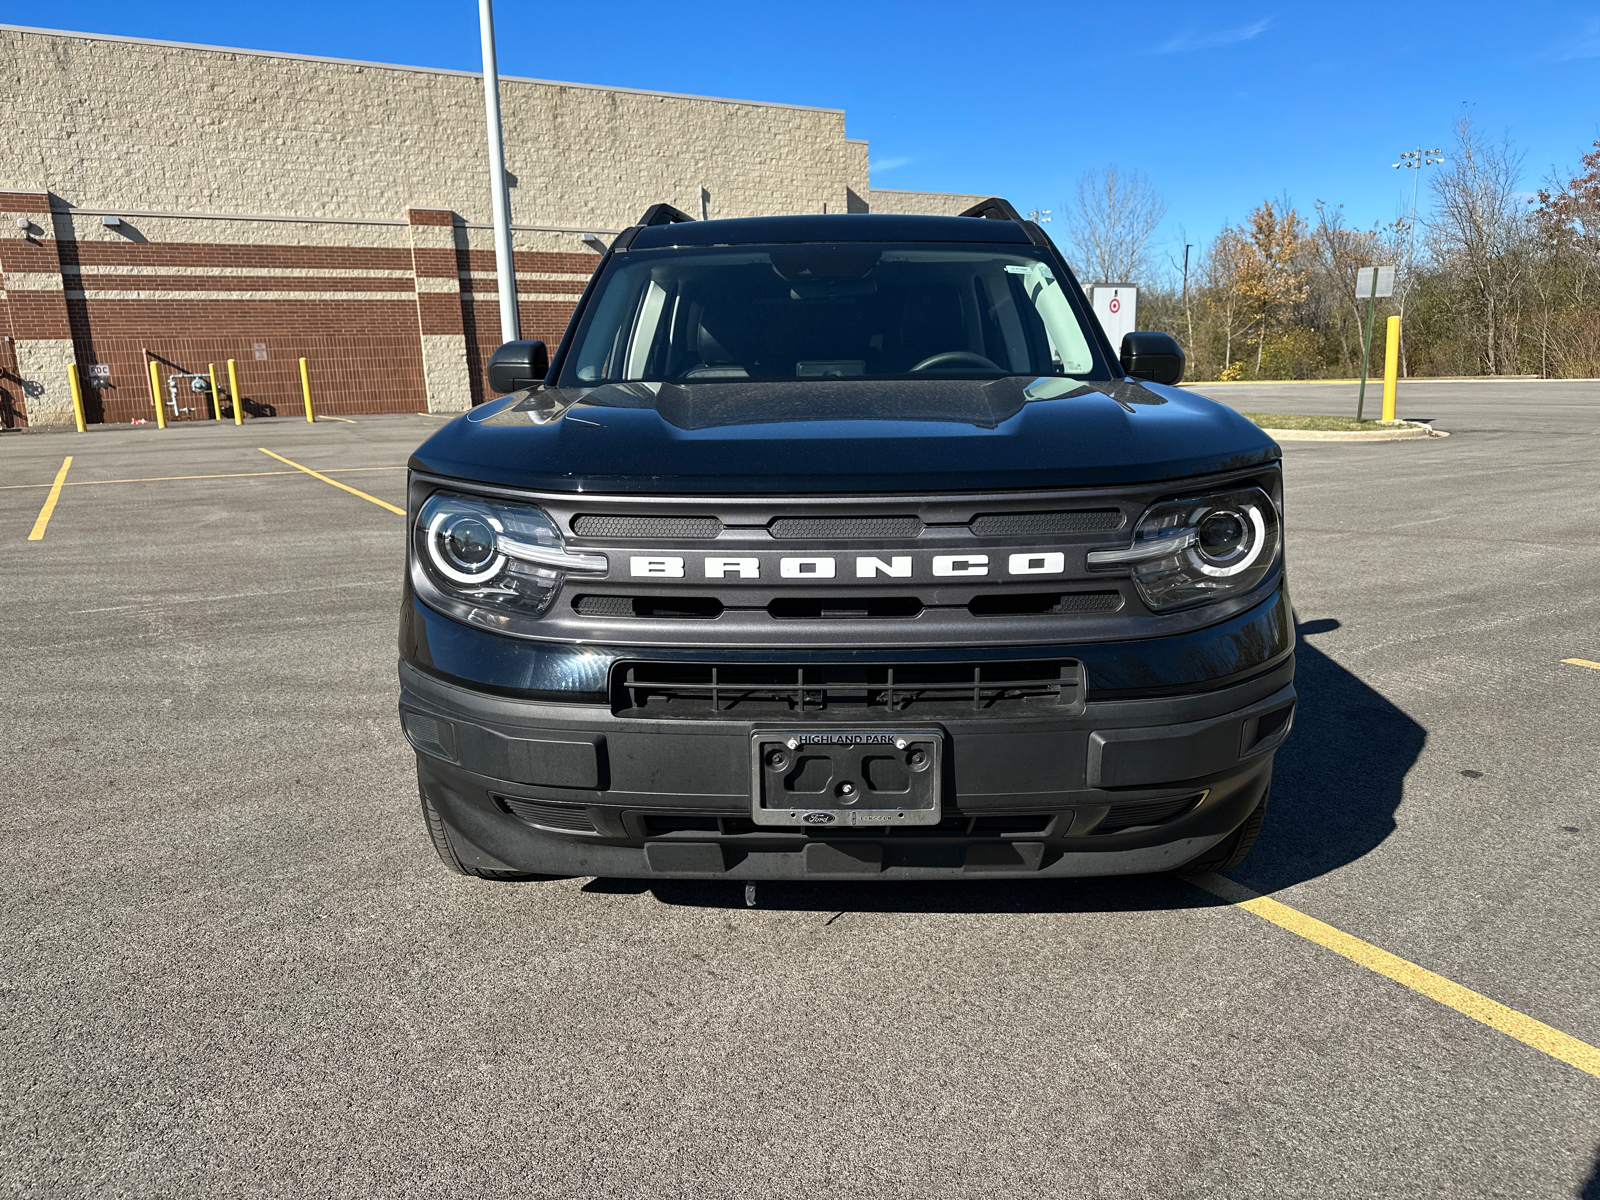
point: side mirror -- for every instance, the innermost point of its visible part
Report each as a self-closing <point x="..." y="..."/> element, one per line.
<point x="518" y="365"/>
<point x="1153" y="356"/>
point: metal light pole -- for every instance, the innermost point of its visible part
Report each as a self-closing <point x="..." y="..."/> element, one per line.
<point x="504" y="268"/>
<point x="1414" y="160"/>
<point x="1187" y="317"/>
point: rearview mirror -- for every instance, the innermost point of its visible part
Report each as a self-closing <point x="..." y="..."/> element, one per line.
<point x="1153" y="356"/>
<point x="518" y="365"/>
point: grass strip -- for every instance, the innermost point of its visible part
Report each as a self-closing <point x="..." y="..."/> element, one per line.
<point x="1318" y="421"/>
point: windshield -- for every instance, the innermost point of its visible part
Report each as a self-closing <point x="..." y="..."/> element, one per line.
<point x="849" y="310"/>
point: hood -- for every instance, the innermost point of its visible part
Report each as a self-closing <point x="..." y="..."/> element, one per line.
<point x="843" y="436"/>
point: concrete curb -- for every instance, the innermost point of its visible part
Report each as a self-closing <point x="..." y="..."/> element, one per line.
<point x="1403" y="432"/>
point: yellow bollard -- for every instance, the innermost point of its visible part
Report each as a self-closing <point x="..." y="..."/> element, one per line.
<point x="1391" y="368"/>
<point x="77" y="396"/>
<point x="305" y="388"/>
<point x="216" y="402"/>
<point x="233" y="390"/>
<point x="155" y="395"/>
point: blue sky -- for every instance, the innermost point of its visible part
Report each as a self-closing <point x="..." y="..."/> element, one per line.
<point x="1219" y="105"/>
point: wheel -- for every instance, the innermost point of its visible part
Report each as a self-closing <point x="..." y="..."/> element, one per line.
<point x="440" y="836"/>
<point x="1231" y="850"/>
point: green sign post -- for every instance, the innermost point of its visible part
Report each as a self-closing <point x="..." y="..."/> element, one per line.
<point x="1375" y="282"/>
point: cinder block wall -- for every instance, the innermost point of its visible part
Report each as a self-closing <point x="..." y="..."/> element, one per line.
<point x="275" y="206"/>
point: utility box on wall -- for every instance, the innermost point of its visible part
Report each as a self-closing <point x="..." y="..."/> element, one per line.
<point x="1117" y="306"/>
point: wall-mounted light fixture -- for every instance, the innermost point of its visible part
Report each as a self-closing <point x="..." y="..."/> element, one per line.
<point x="23" y="223"/>
<point x="111" y="222"/>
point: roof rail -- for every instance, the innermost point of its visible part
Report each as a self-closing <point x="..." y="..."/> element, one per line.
<point x="665" y="214"/>
<point x="995" y="209"/>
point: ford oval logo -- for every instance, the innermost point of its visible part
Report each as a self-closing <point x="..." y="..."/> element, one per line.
<point x="818" y="818"/>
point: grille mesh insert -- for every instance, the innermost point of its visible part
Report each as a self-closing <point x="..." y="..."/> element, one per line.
<point x="556" y="816"/>
<point x="605" y="525"/>
<point x="1145" y="812"/>
<point x="1096" y="520"/>
<point x="845" y="527"/>
<point x="685" y="608"/>
<point x="1012" y="604"/>
<point x="712" y="689"/>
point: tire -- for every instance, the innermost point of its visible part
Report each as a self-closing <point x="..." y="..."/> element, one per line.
<point x="439" y="835"/>
<point x="1231" y="850"/>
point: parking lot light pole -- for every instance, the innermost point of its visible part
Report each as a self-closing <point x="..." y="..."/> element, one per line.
<point x="505" y="271"/>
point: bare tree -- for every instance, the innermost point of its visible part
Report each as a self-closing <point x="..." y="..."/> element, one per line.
<point x="1341" y="251"/>
<point x="1225" y="266"/>
<point x="1111" y="224"/>
<point x="1479" y="233"/>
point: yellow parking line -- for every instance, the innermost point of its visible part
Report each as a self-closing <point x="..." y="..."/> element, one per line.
<point x="440" y="416"/>
<point x="1436" y="987"/>
<point x="326" y="417"/>
<point x="50" y="502"/>
<point x="11" y="487"/>
<point x="342" y="486"/>
<point x="1582" y="662"/>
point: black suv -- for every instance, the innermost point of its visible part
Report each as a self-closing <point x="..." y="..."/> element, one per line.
<point x="843" y="546"/>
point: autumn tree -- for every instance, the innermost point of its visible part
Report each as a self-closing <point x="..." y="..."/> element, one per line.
<point x="1273" y="277"/>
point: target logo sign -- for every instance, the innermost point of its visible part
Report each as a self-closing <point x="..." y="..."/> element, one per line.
<point x="1116" y="305"/>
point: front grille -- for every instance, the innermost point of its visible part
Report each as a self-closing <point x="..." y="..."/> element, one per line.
<point x="1145" y="812"/>
<point x="1096" y="520"/>
<point x="953" y="825"/>
<point x="1003" y="604"/>
<point x="845" y="527"/>
<point x="1003" y="688"/>
<point x="554" y="816"/>
<point x="606" y="526"/>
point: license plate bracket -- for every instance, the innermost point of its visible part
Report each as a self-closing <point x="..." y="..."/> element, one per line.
<point x="851" y="777"/>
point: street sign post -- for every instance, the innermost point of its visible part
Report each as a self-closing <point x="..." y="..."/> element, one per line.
<point x="1371" y="282"/>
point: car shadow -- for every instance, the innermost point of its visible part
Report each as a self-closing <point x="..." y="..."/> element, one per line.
<point x="1337" y="783"/>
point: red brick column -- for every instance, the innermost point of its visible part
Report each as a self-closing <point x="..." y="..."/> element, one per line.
<point x="36" y="304"/>
<point x="436" y="244"/>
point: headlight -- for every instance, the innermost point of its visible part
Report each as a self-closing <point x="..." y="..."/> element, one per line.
<point x="494" y="556"/>
<point x="1201" y="549"/>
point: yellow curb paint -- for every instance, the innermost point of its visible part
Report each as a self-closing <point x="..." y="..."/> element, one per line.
<point x="1582" y="662"/>
<point x="50" y="502"/>
<point x="1508" y="1021"/>
<point x="341" y="486"/>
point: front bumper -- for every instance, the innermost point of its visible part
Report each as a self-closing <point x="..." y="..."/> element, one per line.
<point x="547" y="787"/>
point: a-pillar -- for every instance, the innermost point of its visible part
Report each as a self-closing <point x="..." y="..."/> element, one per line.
<point x="36" y="298"/>
<point x="434" y="266"/>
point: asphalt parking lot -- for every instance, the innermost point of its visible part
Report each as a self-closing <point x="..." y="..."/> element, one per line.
<point x="234" y="967"/>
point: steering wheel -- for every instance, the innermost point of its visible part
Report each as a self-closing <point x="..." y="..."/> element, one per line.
<point x="957" y="356"/>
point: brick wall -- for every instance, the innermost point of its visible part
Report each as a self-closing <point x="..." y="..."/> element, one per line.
<point x="275" y="206"/>
<point x="923" y="204"/>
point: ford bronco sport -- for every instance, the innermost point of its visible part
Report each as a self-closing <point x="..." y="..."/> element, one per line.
<point x="846" y="547"/>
